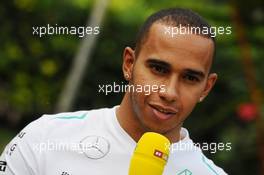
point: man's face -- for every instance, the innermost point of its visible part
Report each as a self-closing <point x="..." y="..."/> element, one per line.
<point x="180" y="66"/>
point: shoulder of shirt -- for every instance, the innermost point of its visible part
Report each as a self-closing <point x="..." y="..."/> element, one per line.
<point x="27" y="145"/>
<point x="193" y="158"/>
<point x="73" y="117"/>
<point x="201" y="164"/>
<point x="65" y="122"/>
<point x="205" y="165"/>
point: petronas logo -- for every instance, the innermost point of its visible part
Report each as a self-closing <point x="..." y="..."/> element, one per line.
<point x="185" y="172"/>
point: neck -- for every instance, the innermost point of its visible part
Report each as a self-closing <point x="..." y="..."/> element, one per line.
<point x="127" y="119"/>
<point x="130" y="123"/>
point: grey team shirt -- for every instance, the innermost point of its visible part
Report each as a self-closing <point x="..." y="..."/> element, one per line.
<point x="89" y="143"/>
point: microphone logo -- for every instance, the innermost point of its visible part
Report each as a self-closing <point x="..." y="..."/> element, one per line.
<point x="160" y="154"/>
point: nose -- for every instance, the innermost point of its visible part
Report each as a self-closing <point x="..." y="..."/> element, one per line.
<point x="169" y="91"/>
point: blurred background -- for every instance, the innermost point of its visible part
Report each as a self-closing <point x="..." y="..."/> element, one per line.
<point x="40" y="74"/>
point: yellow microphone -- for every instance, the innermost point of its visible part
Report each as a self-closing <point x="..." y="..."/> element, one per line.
<point x="150" y="155"/>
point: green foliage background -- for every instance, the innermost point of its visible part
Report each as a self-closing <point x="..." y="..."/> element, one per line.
<point x="33" y="69"/>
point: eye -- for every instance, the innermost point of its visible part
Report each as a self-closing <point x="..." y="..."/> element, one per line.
<point x="191" y="78"/>
<point x="158" y="69"/>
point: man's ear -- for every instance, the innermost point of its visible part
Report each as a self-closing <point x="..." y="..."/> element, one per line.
<point x="209" y="85"/>
<point x="128" y="62"/>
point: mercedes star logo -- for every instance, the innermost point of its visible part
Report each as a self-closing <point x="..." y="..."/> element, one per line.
<point x="95" y="147"/>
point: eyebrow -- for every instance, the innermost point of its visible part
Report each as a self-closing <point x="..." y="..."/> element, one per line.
<point x="195" y="72"/>
<point x="159" y="62"/>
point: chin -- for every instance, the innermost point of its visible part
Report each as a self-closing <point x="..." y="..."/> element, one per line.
<point x="158" y="127"/>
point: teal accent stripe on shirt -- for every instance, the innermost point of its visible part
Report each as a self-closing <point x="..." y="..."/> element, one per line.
<point x="73" y="117"/>
<point x="207" y="164"/>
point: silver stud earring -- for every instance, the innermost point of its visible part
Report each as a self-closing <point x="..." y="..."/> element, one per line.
<point x="126" y="76"/>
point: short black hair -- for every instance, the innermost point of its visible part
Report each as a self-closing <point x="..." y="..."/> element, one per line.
<point x="175" y="17"/>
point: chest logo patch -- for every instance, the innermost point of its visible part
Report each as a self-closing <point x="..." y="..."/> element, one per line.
<point x="95" y="147"/>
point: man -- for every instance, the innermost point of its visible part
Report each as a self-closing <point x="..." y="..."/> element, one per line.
<point x="101" y="142"/>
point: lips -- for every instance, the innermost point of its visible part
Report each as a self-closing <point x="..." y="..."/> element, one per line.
<point x="162" y="112"/>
